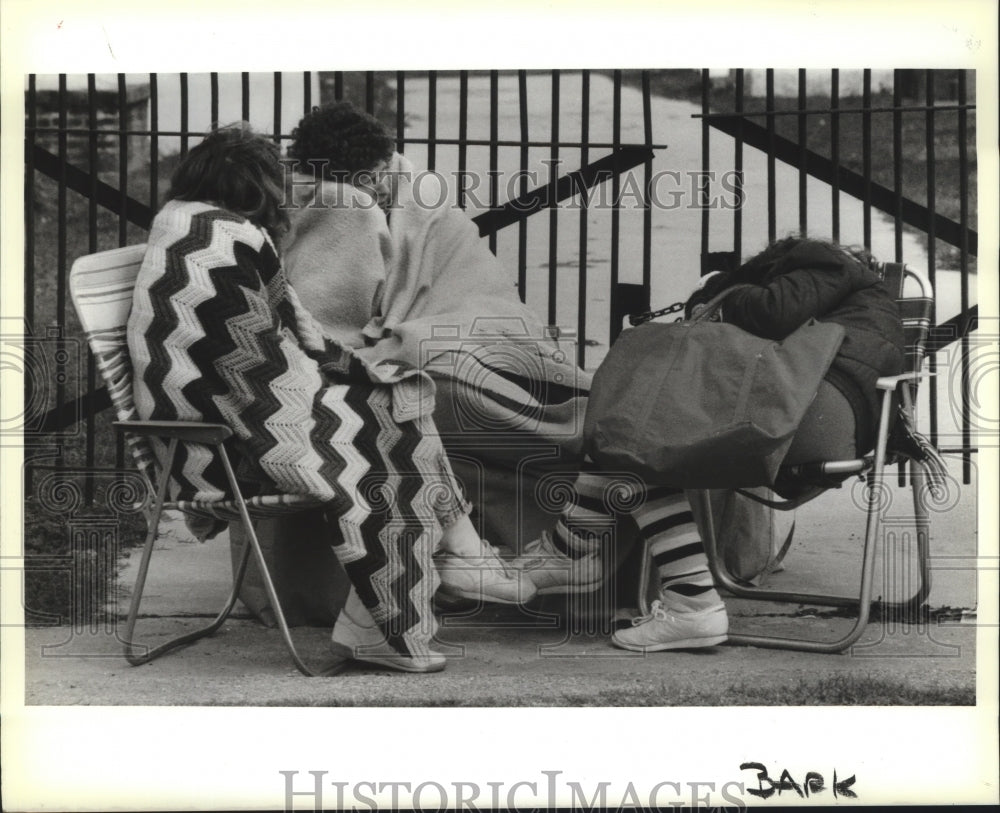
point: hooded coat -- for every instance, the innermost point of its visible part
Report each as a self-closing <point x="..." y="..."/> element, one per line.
<point x="816" y="280"/>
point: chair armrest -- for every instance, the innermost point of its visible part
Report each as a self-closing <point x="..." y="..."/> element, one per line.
<point x="890" y="382"/>
<point x="191" y="431"/>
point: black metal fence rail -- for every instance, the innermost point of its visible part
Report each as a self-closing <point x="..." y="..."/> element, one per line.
<point x="840" y="151"/>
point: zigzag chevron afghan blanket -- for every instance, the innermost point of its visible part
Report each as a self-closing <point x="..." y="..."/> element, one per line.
<point x="216" y="334"/>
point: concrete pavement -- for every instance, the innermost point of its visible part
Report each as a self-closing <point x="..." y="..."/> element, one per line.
<point x="550" y="654"/>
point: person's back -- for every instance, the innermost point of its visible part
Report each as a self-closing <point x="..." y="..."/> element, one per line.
<point x="796" y="279"/>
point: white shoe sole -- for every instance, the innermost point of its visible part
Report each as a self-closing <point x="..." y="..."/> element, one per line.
<point x="686" y="643"/>
<point x="450" y="592"/>
<point x="400" y="663"/>
<point x="568" y="588"/>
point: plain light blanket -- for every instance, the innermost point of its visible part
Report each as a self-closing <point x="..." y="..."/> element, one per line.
<point x="420" y="286"/>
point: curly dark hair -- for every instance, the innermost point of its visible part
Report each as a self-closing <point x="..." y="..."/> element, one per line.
<point x="756" y="269"/>
<point x="347" y="139"/>
<point x="237" y="170"/>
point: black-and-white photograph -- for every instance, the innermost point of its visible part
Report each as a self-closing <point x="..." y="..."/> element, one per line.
<point x="638" y="396"/>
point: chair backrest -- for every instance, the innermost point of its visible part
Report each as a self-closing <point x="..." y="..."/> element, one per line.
<point x="101" y="287"/>
<point x="916" y="305"/>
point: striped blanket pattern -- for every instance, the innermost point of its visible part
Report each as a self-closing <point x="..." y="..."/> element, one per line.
<point x="217" y="335"/>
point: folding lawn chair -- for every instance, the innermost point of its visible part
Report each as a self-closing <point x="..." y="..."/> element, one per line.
<point x="101" y="287"/>
<point x="897" y="441"/>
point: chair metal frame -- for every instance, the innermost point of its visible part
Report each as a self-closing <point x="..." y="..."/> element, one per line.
<point x="101" y="287"/>
<point x="872" y="467"/>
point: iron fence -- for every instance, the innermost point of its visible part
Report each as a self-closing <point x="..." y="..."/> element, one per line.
<point x="99" y="151"/>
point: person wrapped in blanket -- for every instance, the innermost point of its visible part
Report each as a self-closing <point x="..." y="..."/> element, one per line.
<point x="388" y="264"/>
<point x="217" y="334"/>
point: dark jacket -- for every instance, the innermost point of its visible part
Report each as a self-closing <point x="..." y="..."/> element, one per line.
<point x="816" y="280"/>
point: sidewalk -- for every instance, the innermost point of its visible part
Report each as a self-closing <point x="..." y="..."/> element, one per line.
<point x="547" y="655"/>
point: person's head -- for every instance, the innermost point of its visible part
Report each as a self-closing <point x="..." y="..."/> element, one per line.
<point x="758" y="267"/>
<point x="345" y="144"/>
<point x="238" y="170"/>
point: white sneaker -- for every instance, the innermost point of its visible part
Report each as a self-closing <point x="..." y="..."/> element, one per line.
<point x="358" y="637"/>
<point x="485" y="577"/>
<point x="552" y="571"/>
<point x="665" y="629"/>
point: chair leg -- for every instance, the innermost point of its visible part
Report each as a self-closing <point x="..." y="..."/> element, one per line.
<point x="272" y="594"/>
<point x="862" y="602"/>
<point x="922" y="527"/>
<point x="132" y="654"/>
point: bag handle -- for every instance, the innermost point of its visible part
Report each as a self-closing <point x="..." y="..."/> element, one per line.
<point x="715" y="302"/>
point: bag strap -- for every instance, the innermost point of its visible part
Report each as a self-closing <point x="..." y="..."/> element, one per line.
<point x="715" y="302"/>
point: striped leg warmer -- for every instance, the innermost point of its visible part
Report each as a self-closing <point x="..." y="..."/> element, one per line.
<point x="587" y="523"/>
<point x="666" y="521"/>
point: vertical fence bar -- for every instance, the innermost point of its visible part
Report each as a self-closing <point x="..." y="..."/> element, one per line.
<point x="92" y="163"/>
<point x="276" y="126"/>
<point x="581" y="302"/>
<point x="431" y="119"/>
<point x="706" y="83"/>
<point x="184" y="113"/>
<point x="930" y="125"/>
<point x="647" y="213"/>
<point x="835" y="153"/>
<point x="738" y="165"/>
<point x="522" y="224"/>
<point x="963" y="219"/>
<point x="31" y="122"/>
<point x="897" y="186"/>
<point x="92" y="160"/>
<point x="370" y="91"/>
<point x="213" y="80"/>
<point x="803" y="156"/>
<point x="306" y="92"/>
<point x="554" y="209"/>
<point x="463" y="147"/>
<point x="245" y="96"/>
<point x="616" y="135"/>
<point x="123" y="155"/>
<point x="61" y="237"/>
<point x="400" y="110"/>
<point x="122" y="160"/>
<point x="61" y="245"/>
<point x="866" y="154"/>
<point x="154" y="142"/>
<point x="772" y="192"/>
<point x="494" y="130"/>
<point x="338" y="85"/>
<point x="897" y="165"/>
